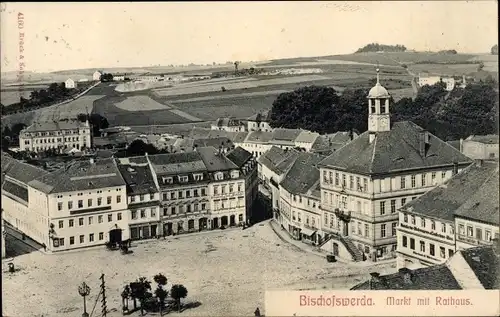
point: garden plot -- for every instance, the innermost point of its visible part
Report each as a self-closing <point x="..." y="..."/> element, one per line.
<point x="69" y="110"/>
<point x="140" y="103"/>
<point x="182" y="90"/>
<point x="226" y="271"/>
<point x="231" y="96"/>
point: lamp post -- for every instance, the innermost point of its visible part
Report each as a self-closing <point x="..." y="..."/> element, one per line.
<point x="84" y="290"/>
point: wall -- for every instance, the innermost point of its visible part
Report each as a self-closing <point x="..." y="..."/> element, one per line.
<point x="467" y="238"/>
<point x="479" y="151"/>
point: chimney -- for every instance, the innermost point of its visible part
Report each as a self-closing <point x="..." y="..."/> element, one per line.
<point x="423" y="143"/>
<point x="479" y="163"/>
<point x="407" y="275"/>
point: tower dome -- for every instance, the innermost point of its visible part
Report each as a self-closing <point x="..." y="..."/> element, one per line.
<point x="378" y="91"/>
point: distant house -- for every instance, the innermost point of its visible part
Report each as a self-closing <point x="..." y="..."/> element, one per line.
<point x="432" y="80"/>
<point x="83" y="80"/>
<point x="96" y="76"/>
<point x="70" y="83"/>
<point x="480" y="147"/>
<point x="228" y="124"/>
<point x="119" y="77"/>
<point x="259" y="122"/>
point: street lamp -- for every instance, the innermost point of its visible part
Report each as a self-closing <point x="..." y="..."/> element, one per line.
<point x="84" y="290"/>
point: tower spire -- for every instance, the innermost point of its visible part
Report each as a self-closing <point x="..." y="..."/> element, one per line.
<point x="378" y="74"/>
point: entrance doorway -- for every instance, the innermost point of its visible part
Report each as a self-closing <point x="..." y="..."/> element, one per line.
<point x="224" y="221"/>
<point x="115" y="235"/>
<point x="215" y="223"/>
<point x="232" y="220"/>
<point x="346" y="229"/>
<point x="335" y="249"/>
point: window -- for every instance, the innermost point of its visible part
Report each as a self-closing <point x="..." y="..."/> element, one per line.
<point x="141" y="197"/>
<point x="118" y="199"/>
<point x="367" y="231"/>
<point x="240" y="187"/>
<point x="344" y="181"/>
<point x="91" y="220"/>
<point x="360" y="232"/>
<point x="382" y="230"/>
<point x="394" y="224"/>
<point x="326" y="219"/>
<point x="71" y="240"/>
<point x="172" y="195"/>
<point x="479" y="233"/>
<point x="412" y="243"/>
<point x="382" y="207"/>
<point x="450" y="253"/>
<point x="188" y="193"/>
<point x="59" y="206"/>
<point x="422" y="246"/>
<point x="461" y="229"/>
<point x="422" y="222"/>
<point x="195" y="193"/>
<point x="91" y="237"/>
<point x="99" y="219"/>
<point x="99" y="201"/>
<point x="70" y="205"/>
<point x="134" y="214"/>
<point x="119" y="216"/>
<point x="365" y="184"/>
<point x="487" y="235"/>
<point x="82" y="238"/>
<point x="110" y="217"/>
<point x="433" y="178"/>
<point x="151" y="196"/>
<point x="80" y="221"/>
<point x="231" y="188"/>
<point x="443" y="175"/>
<point x="403" y="182"/>
<point x="325" y="177"/>
<point x="336" y="179"/>
<point x="414" y="197"/>
<point x="412" y="220"/>
<point x="153" y="212"/>
<point x="443" y="227"/>
<point x="298" y="217"/>
<point x="132" y="199"/>
<point x="351" y="182"/>
<point x="101" y="235"/>
<point x="173" y="210"/>
<point x="108" y="200"/>
<point x="61" y="224"/>
<point x="203" y="192"/>
<point x="442" y="252"/>
<point x="424" y="180"/>
<point x="405" y="241"/>
<point x="403" y="201"/>
<point x="61" y="242"/>
<point x="413" y="181"/>
<point x="433" y="225"/>
<point x="143" y="213"/>
<point x="405" y="218"/>
<point x="358" y="184"/>
<point x="393" y="206"/>
<point x="431" y="249"/>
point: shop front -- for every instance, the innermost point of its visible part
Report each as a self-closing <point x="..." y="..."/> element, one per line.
<point x="144" y="231"/>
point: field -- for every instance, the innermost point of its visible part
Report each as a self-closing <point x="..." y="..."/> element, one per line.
<point x="227" y="272"/>
<point x="140" y="103"/>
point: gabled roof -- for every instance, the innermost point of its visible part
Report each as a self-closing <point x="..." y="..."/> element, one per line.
<point x="215" y="142"/>
<point x="278" y="160"/>
<point x="394" y="150"/>
<point x="264" y="116"/>
<point x="55" y="126"/>
<point x="214" y="160"/>
<point x="307" y="137"/>
<point x="16" y="190"/>
<point x="303" y="174"/>
<point x="287" y="135"/>
<point x="239" y="156"/>
<point x="80" y="176"/>
<point x="22" y="172"/>
<point x="139" y="177"/>
<point x="259" y="137"/>
<point x="228" y="122"/>
<point x="446" y="199"/>
<point x="437" y="277"/>
<point x="485" y="263"/>
<point x="482" y="204"/>
<point x="177" y="163"/>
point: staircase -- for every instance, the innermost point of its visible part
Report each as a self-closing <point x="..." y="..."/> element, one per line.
<point x="357" y="256"/>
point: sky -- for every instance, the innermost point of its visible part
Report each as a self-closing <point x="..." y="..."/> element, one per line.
<point x="59" y="36"/>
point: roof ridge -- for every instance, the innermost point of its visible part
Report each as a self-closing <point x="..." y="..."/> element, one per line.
<point x="370" y="168"/>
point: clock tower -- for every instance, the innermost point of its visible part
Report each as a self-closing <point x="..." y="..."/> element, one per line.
<point x="378" y="105"/>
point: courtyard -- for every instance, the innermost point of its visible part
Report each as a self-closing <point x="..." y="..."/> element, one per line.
<point x="227" y="271"/>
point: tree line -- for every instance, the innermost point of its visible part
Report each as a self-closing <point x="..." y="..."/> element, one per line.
<point x="448" y="115"/>
<point x="376" y="47"/>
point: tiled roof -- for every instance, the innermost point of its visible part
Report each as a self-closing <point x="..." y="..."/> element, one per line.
<point x="80" y="176"/>
<point x="177" y="163"/>
<point x="185" y="144"/>
<point x="485" y="263"/>
<point x="259" y="137"/>
<point x="489" y="139"/>
<point x="394" y="150"/>
<point x="16" y="190"/>
<point x="20" y="171"/>
<point x="455" y="144"/>
<point x="285" y="134"/>
<point x="139" y="178"/>
<point x="437" y="277"/>
<point x="54" y="126"/>
<point x="444" y="200"/>
<point x="228" y="122"/>
<point x="199" y="133"/>
<point x="260" y="117"/>
<point x="215" y="161"/>
<point x="239" y="156"/>
<point x="331" y="142"/>
<point x="215" y="142"/>
<point x="303" y="174"/>
<point x="277" y="159"/>
<point x="307" y="137"/>
<point x="482" y="204"/>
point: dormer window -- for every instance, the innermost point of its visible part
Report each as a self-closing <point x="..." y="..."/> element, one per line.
<point x="183" y="179"/>
<point x="219" y="176"/>
<point x="235" y="174"/>
<point x="167" y="180"/>
<point x="198" y="177"/>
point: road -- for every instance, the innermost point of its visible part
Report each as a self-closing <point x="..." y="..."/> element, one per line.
<point x="14" y="244"/>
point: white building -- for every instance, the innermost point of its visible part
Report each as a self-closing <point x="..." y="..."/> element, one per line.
<point x="259" y="122"/>
<point x="83" y="80"/>
<point x="119" y="77"/>
<point x="60" y="135"/>
<point x="70" y="83"/>
<point x="365" y="182"/>
<point x="96" y="76"/>
<point x="229" y="124"/>
<point x="480" y="147"/>
<point x="432" y="80"/>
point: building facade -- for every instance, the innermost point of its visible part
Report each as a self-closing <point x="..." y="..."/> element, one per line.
<point x="432" y="80"/>
<point x="96" y="76"/>
<point x="229" y="124"/>
<point x="70" y="83"/>
<point x="62" y="135"/>
<point x="480" y="147"/>
<point x="259" y="122"/>
<point x="365" y="182"/>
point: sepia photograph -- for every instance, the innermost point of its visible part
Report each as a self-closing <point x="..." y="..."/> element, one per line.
<point x="270" y="158"/>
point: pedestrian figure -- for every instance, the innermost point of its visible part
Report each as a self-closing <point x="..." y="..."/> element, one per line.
<point x="257" y="312"/>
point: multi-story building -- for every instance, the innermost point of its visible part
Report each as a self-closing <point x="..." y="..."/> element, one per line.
<point x="480" y="147"/>
<point x="427" y="232"/>
<point x="257" y="142"/>
<point x="59" y="135"/>
<point x="299" y="205"/>
<point x="229" y="124"/>
<point x="364" y="182"/>
<point x="143" y="198"/>
<point x="260" y="122"/>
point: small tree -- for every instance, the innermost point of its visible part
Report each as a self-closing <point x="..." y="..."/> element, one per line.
<point x="143" y="291"/>
<point x="160" y="292"/>
<point x="177" y="292"/>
